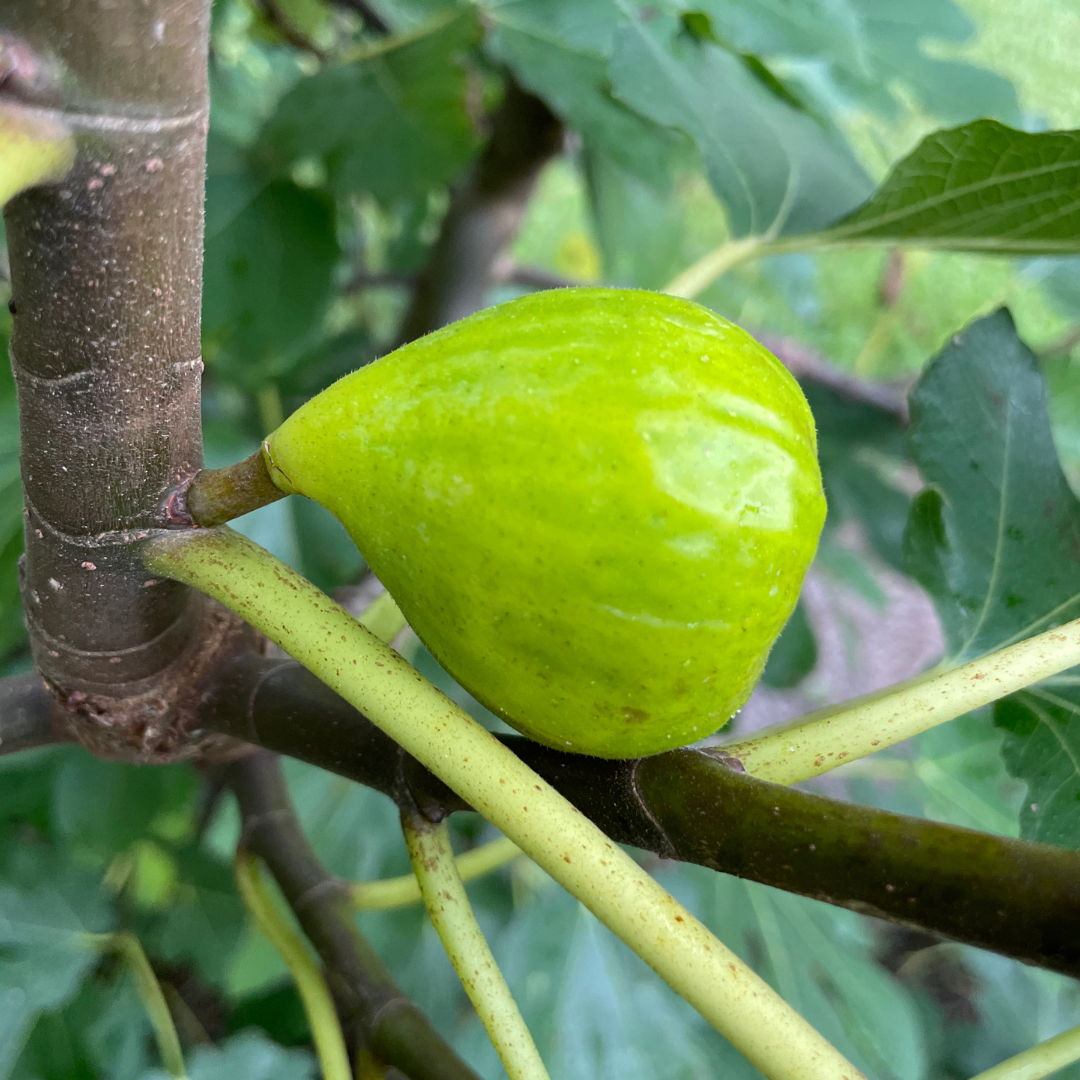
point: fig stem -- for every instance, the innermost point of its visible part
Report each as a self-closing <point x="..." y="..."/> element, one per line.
<point x="318" y="1004"/>
<point x="150" y="994"/>
<point x="1041" y="1060"/>
<point x="219" y="495"/>
<point x="400" y="891"/>
<point x="452" y="916"/>
<point x="494" y="781"/>
<point x="836" y="735"/>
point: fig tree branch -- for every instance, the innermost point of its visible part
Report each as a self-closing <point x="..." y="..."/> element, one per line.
<point x="29" y="715"/>
<point x="1014" y="897"/>
<point x="106" y="266"/>
<point x="370" y="1003"/>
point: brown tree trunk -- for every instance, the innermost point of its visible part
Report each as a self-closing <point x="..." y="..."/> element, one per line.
<point x="106" y="271"/>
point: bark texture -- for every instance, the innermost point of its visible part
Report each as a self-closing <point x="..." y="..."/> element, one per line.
<point x="106" y="272"/>
<point x="1018" y="898"/>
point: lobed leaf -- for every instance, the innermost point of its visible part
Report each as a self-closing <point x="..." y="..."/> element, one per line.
<point x="47" y="907"/>
<point x="995" y="539"/>
<point x="867" y="48"/>
<point x="250" y="1055"/>
<point x="775" y="168"/>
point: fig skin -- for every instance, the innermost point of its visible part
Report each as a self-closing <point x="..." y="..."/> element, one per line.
<point x="594" y="506"/>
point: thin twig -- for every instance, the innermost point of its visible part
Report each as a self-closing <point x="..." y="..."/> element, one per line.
<point x="370" y="1003"/>
<point x="484" y="214"/>
<point x="318" y="1004"/>
<point x="372" y="19"/>
<point x="1015" y="897"/>
<point x="288" y="29"/>
<point x="804" y="363"/>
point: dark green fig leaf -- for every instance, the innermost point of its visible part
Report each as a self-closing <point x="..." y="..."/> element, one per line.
<point x="996" y="542"/>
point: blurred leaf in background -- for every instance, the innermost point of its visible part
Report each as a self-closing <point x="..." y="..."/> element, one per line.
<point x="994" y="539"/>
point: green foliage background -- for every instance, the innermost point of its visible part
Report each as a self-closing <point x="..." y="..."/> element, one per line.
<point x="692" y="123"/>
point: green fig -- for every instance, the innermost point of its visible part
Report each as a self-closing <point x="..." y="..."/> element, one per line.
<point x="594" y="506"/>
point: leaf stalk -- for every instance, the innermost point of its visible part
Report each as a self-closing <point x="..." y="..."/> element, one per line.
<point x="151" y="996"/>
<point x="375" y="679"/>
<point x="830" y="737"/>
<point x="318" y="1004"/>
<point x="1039" y="1061"/>
<point x="452" y="916"/>
<point x="400" y="891"/>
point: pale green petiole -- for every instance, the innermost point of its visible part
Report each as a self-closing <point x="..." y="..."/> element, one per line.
<point x="399" y="891"/>
<point x="151" y="996"/>
<point x="318" y="1004"/>
<point x="452" y="916"/>
<point x="821" y="741"/>
<point x="1039" y="1061"/>
<point x="492" y="779"/>
<point x="696" y="278"/>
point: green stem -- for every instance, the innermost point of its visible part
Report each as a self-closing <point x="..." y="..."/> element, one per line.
<point x="1039" y="1061"/>
<point x="318" y="1004"/>
<point x="830" y="737"/>
<point x="383" y="618"/>
<point x="697" y="277"/>
<point x="399" y="891"/>
<point x="151" y="996"/>
<point x="376" y="680"/>
<point x="271" y="411"/>
<point x="452" y="916"/>
<point x="219" y="495"/>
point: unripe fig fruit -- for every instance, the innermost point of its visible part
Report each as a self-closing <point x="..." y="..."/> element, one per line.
<point x="594" y="506"/>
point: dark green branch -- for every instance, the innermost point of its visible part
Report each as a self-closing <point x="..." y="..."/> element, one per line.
<point x="28" y="715"/>
<point x="371" y="1004"/>
<point x="1014" y="897"/>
